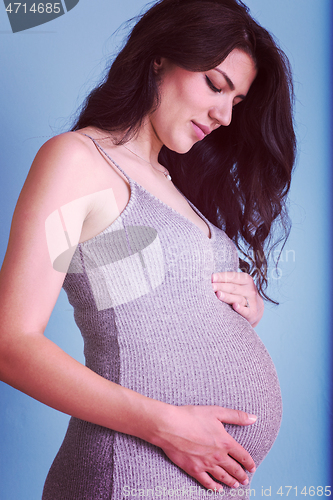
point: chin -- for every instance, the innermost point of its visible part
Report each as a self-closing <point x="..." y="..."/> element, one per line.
<point x="181" y="148"/>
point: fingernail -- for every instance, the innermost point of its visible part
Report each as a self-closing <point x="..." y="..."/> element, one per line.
<point x="252" y="470"/>
<point x="214" y="277"/>
<point x="245" y="482"/>
<point x="253" y="418"/>
<point x="237" y="306"/>
<point x="236" y="485"/>
<point x="220" y="295"/>
<point x="214" y="287"/>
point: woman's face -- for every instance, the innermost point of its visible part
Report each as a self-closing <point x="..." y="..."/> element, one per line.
<point x="193" y="104"/>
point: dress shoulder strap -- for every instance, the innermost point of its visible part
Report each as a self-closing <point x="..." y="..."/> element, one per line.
<point x="98" y="146"/>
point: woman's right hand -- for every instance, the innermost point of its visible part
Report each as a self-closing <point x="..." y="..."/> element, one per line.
<point x="198" y="443"/>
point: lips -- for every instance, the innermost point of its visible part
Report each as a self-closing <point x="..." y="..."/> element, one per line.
<point x="200" y="130"/>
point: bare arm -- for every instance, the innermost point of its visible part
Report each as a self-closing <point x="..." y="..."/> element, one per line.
<point x="193" y="437"/>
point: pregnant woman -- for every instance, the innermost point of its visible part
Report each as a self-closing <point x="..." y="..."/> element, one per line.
<point x="179" y="160"/>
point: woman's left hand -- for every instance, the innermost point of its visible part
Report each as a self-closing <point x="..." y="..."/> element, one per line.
<point x="239" y="290"/>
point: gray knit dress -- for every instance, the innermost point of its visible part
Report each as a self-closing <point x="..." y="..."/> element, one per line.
<point x="150" y="320"/>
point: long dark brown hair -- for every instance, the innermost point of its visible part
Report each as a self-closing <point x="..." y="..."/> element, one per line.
<point x="239" y="175"/>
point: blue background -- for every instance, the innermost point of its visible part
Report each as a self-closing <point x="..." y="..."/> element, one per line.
<point x="45" y="74"/>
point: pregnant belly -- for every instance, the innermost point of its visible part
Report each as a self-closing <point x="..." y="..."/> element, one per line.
<point x="208" y="355"/>
<point x="206" y="359"/>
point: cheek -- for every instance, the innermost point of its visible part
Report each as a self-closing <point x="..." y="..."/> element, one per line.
<point x="180" y="95"/>
<point x="188" y="97"/>
<point x="180" y="102"/>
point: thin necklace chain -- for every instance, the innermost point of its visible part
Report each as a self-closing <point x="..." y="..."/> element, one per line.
<point x="165" y="173"/>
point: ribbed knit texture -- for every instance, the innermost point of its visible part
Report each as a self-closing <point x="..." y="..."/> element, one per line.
<point x="150" y="320"/>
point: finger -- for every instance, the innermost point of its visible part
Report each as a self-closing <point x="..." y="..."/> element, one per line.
<point x="221" y="474"/>
<point x="232" y="277"/>
<point x="243" y="458"/>
<point x="235" y="288"/>
<point x="236" y="417"/>
<point x="229" y="298"/>
<point x="245" y="311"/>
<point x="250" y="314"/>
<point x="207" y="481"/>
<point x="229" y="288"/>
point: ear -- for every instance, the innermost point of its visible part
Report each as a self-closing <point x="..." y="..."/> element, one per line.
<point x="158" y="64"/>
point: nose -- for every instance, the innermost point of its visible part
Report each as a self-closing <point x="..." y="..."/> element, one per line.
<point x="222" y="114"/>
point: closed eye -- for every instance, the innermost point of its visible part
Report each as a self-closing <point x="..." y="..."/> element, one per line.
<point x="211" y="86"/>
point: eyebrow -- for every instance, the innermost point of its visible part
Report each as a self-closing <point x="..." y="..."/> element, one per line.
<point x="229" y="82"/>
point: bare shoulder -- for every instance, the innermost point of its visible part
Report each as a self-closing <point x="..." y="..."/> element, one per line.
<point x="70" y="143"/>
<point x="67" y="167"/>
<point x="66" y="155"/>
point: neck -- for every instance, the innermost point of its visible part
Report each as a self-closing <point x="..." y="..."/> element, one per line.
<point x="143" y="147"/>
<point x="146" y="144"/>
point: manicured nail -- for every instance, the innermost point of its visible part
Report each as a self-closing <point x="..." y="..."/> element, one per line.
<point x="252" y="470"/>
<point x="245" y="482"/>
<point x="253" y="418"/>
<point x="220" y="295"/>
<point x="214" y="277"/>
<point x="214" y="287"/>
<point x="236" y="485"/>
